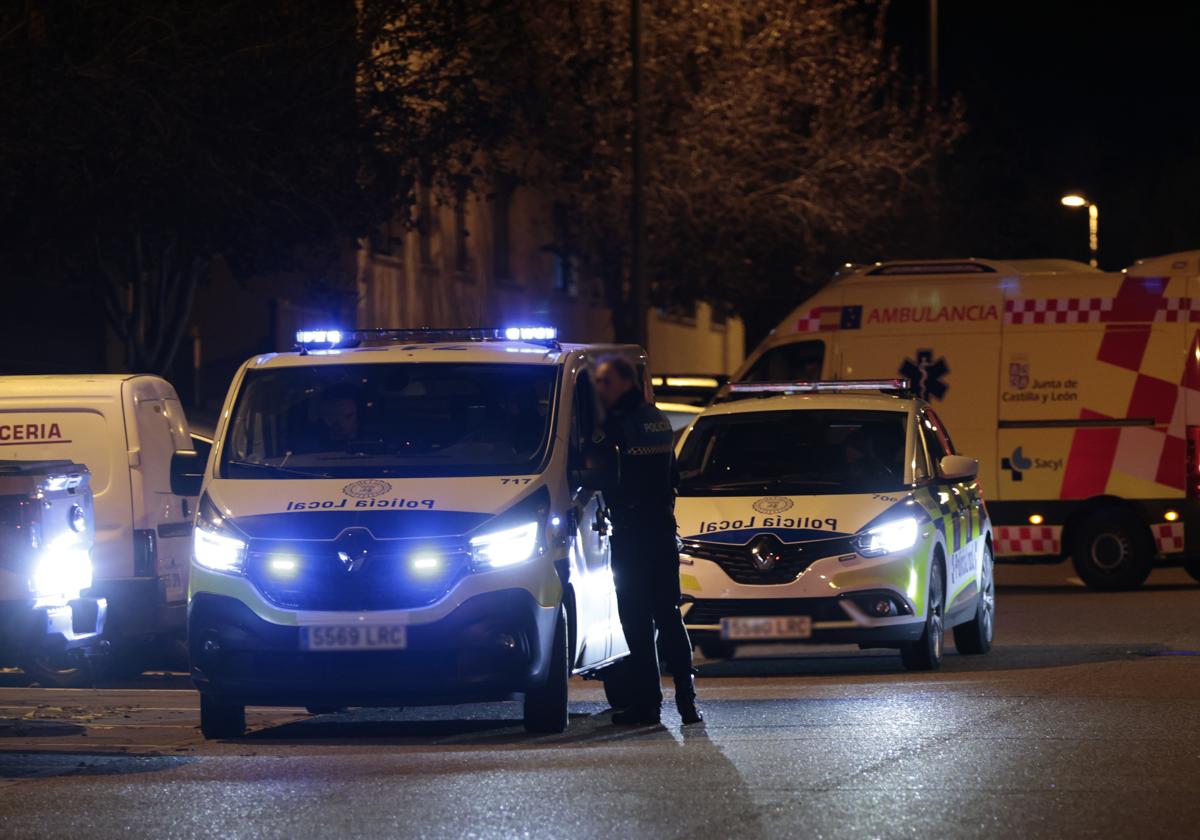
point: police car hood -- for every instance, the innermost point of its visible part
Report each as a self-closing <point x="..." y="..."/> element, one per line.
<point x="738" y="519"/>
<point x="321" y="509"/>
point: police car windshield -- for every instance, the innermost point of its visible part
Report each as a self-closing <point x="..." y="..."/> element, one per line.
<point x="403" y="420"/>
<point x="808" y="452"/>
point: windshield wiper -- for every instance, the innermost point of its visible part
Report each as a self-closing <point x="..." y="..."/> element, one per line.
<point x="285" y="470"/>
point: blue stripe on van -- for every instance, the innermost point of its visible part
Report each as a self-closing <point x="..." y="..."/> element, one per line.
<point x="383" y="524"/>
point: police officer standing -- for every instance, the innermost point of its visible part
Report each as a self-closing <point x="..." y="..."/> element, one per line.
<point x="640" y="493"/>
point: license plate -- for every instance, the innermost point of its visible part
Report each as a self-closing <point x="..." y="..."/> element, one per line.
<point x="767" y="627"/>
<point x="354" y="637"/>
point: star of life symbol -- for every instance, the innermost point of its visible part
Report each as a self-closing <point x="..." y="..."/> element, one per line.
<point x="926" y="374"/>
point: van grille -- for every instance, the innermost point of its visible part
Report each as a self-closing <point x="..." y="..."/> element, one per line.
<point x="381" y="578"/>
<point x="739" y="561"/>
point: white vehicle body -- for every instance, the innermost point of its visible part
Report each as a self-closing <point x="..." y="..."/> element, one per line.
<point x="785" y="563"/>
<point x="126" y="428"/>
<point x="444" y="629"/>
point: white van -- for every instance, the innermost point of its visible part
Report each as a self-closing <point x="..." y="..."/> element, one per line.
<point x="396" y="517"/>
<point x="126" y="428"/>
<point x="1078" y="389"/>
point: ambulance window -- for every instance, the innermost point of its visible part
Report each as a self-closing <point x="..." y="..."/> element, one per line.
<point x="799" y="361"/>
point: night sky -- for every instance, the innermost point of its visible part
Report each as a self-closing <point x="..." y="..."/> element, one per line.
<point x="1092" y="97"/>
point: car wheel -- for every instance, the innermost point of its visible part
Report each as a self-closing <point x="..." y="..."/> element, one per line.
<point x="57" y="670"/>
<point x="221" y="719"/>
<point x="1112" y="550"/>
<point x="925" y="654"/>
<point x="546" y="705"/>
<point x="717" y="650"/>
<point x="618" y="688"/>
<point x="976" y="635"/>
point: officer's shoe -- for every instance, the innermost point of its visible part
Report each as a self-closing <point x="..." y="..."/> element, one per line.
<point x="635" y="716"/>
<point x="685" y="699"/>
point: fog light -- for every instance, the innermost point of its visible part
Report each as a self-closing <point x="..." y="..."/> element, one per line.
<point x="283" y="566"/>
<point x="426" y="564"/>
<point x="883" y="607"/>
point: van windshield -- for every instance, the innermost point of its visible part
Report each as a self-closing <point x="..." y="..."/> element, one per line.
<point x="406" y="420"/>
<point x="803" y="452"/>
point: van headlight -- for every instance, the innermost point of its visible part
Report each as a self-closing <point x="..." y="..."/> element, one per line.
<point x="214" y="545"/>
<point x="897" y="535"/>
<point x="62" y="570"/>
<point x="509" y="547"/>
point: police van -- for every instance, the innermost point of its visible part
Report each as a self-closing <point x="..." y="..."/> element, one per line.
<point x="127" y="429"/>
<point x="832" y="512"/>
<point x="1079" y="390"/>
<point x="396" y="517"/>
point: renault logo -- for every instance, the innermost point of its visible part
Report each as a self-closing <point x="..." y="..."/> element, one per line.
<point x="764" y="553"/>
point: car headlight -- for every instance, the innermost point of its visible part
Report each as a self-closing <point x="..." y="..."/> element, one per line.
<point x="505" y="548"/>
<point x="897" y="535"/>
<point x="62" y="570"/>
<point x="214" y="546"/>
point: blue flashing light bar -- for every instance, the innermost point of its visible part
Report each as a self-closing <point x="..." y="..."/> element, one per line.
<point x="320" y="339"/>
<point x="825" y="387"/>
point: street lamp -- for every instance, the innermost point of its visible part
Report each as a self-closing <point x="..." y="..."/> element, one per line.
<point x="1076" y="200"/>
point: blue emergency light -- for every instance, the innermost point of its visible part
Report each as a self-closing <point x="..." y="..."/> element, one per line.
<point x="325" y="339"/>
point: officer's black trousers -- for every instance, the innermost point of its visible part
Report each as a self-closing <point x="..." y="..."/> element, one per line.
<point x="646" y="573"/>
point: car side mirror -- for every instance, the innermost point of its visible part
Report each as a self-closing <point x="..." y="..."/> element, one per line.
<point x="187" y="473"/>
<point x="958" y="468"/>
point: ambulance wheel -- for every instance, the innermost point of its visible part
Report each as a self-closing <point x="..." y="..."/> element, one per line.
<point x="57" y="670"/>
<point x="546" y="705"/>
<point x="219" y="719"/>
<point x="925" y="654"/>
<point x="618" y="688"/>
<point x="1113" y="550"/>
<point x="1193" y="568"/>
<point x="976" y="635"/>
<point x="717" y="650"/>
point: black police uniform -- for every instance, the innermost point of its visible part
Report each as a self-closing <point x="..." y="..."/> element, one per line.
<point x="645" y="553"/>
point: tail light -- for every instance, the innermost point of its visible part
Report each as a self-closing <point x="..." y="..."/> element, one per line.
<point x="1193" y="462"/>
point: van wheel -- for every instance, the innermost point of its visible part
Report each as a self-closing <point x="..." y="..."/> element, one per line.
<point x="57" y="669"/>
<point x="220" y="719"/>
<point x="618" y="687"/>
<point x="925" y="654"/>
<point x="1112" y="550"/>
<point x="976" y="635"/>
<point x="546" y="705"/>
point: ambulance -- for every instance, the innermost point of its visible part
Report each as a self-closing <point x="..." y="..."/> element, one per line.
<point x="398" y="517"/>
<point x="1078" y="390"/>
<point x="131" y="432"/>
<point x="832" y="512"/>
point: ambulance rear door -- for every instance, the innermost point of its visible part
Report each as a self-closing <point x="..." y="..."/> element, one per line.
<point x="942" y="333"/>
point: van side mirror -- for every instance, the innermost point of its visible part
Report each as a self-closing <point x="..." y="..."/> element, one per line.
<point x="958" y="468"/>
<point x="187" y="473"/>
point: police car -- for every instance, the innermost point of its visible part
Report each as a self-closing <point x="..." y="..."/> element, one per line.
<point x="396" y="517"/>
<point x="834" y="512"/>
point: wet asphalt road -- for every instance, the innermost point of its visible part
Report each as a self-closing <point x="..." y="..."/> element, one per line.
<point x="1083" y="721"/>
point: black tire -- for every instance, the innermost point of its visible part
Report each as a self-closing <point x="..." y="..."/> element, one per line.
<point x="618" y="689"/>
<point x="975" y="637"/>
<point x="925" y="654"/>
<point x="221" y="719"/>
<point x="717" y="649"/>
<point x="546" y="705"/>
<point x="1112" y="550"/>
<point x="1193" y="568"/>
<point x="57" y="670"/>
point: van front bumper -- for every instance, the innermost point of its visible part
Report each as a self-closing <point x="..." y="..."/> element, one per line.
<point x="492" y="647"/>
<point x="73" y="625"/>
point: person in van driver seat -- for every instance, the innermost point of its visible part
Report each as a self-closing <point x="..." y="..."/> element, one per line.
<point x="639" y="489"/>
<point x="337" y="421"/>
